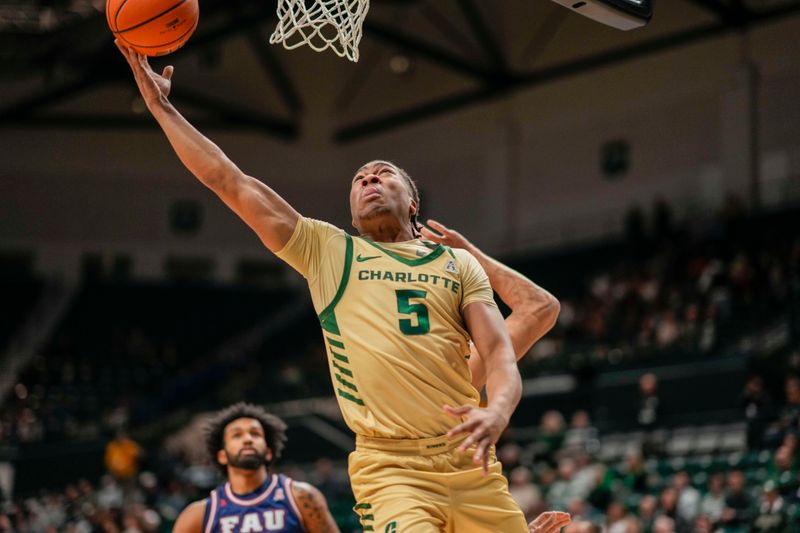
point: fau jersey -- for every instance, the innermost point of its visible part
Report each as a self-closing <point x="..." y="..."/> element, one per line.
<point x="269" y="508"/>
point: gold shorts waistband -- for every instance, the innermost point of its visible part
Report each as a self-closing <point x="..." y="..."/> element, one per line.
<point x="428" y="446"/>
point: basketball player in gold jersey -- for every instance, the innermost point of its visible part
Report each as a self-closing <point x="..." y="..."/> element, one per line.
<point x="397" y="315"/>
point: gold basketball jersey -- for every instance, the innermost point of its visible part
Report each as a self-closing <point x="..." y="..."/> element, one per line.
<point x="392" y="322"/>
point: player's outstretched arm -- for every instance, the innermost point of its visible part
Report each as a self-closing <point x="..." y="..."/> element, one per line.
<point x="313" y="509"/>
<point x="191" y="519"/>
<point x="269" y="215"/>
<point x="533" y="310"/>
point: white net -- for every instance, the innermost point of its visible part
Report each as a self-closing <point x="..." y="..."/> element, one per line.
<point x="321" y="24"/>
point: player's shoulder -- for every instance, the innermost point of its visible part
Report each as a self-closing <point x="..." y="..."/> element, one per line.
<point x="320" y="226"/>
<point x="191" y="518"/>
<point x="462" y="257"/>
<point x="306" y="492"/>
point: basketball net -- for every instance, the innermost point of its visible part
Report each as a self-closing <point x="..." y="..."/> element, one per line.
<point x="321" y="24"/>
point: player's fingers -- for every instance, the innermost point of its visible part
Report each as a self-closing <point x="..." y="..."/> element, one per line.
<point x="477" y="434"/>
<point x="464" y="427"/>
<point x="438" y="226"/>
<point x="142" y="59"/>
<point x="431" y="236"/>
<point x="555" y="522"/>
<point x="168" y="70"/>
<point x="539" y="519"/>
<point x="542" y="523"/>
<point x="559" y="523"/>
<point x="481" y="455"/>
<point x="461" y="410"/>
<point x="126" y="53"/>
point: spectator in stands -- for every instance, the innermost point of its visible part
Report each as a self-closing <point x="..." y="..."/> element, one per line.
<point x="665" y="524"/>
<point x="771" y="515"/>
<point x="714" y="501"/>
<point x="703" y="524"/>
<point x="617" y="520"/>
<point x="524" y="492"/>
<point x="634" y="476"/>
<point x="551" y="435"/>
<point x="564" y="489"/>
<point x="601" y="494"/>
<point x="738" y="510"/>
<point x="649" y="403"/>
<point x="688" y="498"/>
<point x="668" y="508"/>
<point x="122" y="457"/>
<point x="110" y="495"/>
<point x="789" y="419"/>
<point x="782" y="471"/>
<point x="649" y="413"/>
<point x="648" y="512"/>
<point x="667" y="329"/>
<point x="758" y="411"/>
<point x="581" y="435"/>
<point x="509" y="454"/>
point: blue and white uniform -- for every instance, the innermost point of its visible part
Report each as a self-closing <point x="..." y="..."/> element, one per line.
<point x="271" y="508"/>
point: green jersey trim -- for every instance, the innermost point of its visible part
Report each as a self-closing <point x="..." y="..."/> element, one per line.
<point x="439" y="250"/>
<point x="327" y="318"/>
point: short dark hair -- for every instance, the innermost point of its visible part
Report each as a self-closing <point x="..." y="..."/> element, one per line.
<point x="274" y="429"/>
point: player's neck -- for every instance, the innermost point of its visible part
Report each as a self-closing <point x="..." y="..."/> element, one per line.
<point x="388" y="232"/>
<point x="246" y="481"/>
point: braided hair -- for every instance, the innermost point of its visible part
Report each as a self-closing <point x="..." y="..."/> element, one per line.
<point x="414" y="191"/>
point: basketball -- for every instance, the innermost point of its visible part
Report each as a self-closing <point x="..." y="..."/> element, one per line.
<point x="152" y="27"/>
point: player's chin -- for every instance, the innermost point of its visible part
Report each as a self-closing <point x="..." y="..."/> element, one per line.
<point x="249" y="461"/>
<point x="371" y="212"/>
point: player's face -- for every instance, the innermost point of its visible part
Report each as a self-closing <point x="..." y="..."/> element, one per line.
<point x="378" y="190"/>
<point x="245" y="445"/>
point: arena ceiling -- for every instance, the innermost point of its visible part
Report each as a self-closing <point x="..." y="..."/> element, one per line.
<point x="419" y="58"/>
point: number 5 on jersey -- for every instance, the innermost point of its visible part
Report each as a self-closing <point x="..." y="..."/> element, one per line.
<point x="417" y="310"/>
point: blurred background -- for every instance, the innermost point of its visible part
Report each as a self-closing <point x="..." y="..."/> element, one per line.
<point x="649" y="179"/>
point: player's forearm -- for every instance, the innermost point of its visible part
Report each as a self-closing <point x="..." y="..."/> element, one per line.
<point x="515" y="289"/>
<point x="503" y="384"/>
<point x="199" y="155"/>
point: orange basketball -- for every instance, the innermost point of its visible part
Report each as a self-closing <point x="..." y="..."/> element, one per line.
<point x="152" y="27"/>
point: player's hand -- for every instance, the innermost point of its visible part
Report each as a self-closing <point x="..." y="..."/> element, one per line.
<point x="484" y="426"/>
<point x="549" y="522"/>
<point x="154" y="87"/>
<point x="445" y="236"/>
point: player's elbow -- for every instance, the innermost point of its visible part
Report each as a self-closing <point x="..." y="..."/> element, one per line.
<point x="544" y="310"/>
<point x="552" y="308"/>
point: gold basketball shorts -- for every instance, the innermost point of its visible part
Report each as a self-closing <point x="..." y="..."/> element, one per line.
<point x="428" y="486"/>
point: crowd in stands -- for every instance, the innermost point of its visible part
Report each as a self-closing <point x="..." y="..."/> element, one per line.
<point x="682" y="287"/>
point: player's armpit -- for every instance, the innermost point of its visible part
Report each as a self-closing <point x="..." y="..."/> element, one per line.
<point x="191" y="519"/>
<point x="526" y="325"/>
<point x="313" y="509"/>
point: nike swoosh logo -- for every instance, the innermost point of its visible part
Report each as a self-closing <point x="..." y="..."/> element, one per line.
<point x="361" y="259"/>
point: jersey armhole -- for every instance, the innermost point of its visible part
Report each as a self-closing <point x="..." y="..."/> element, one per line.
<point x="327" y="318"/>
<point x="210" y="513"/>
<point x="290" y="496"/>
